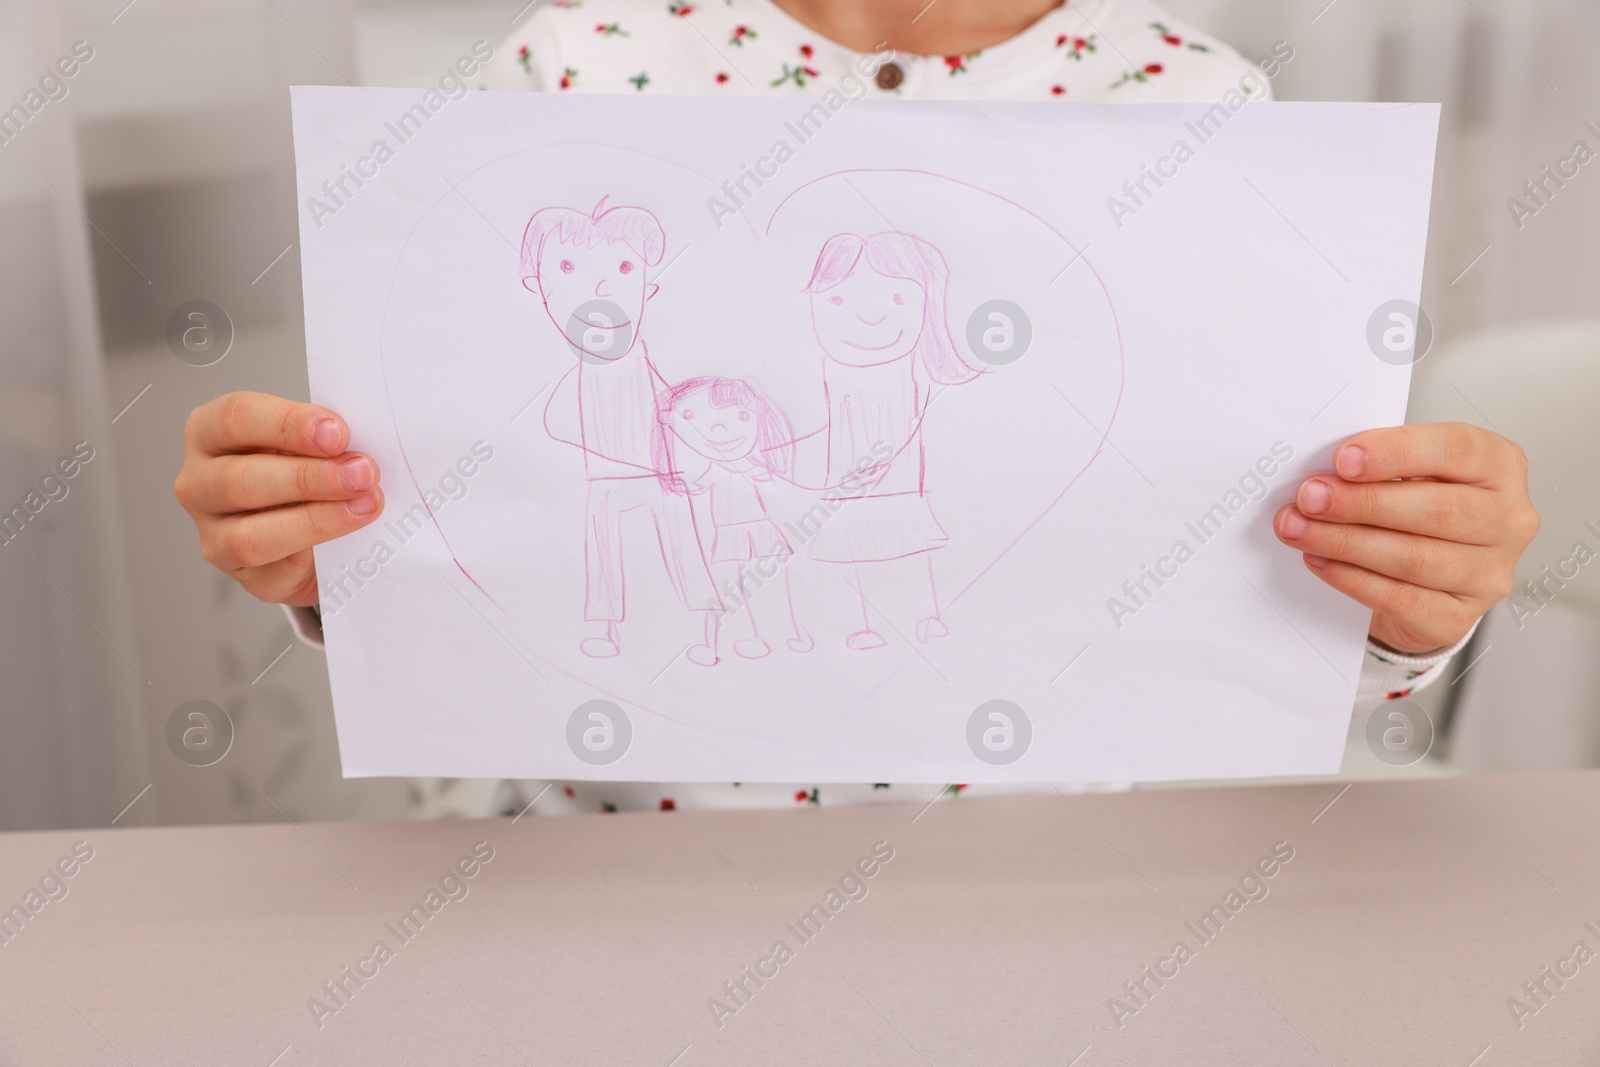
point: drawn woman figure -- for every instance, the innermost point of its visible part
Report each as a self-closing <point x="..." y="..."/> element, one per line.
<point x="878" y="310"/>
<point x="736" y="440"/>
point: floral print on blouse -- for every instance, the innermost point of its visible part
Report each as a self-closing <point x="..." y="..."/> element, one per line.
<point x="1094" y="50"/>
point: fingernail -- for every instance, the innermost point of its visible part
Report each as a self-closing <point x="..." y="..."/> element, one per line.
<point x="326" y="436"/>
<point x="362" y="506"/>
<point x="1351" y="461"/>
<point x="357" y="473"/>
<point x="1294" y="524"/>
<point x="1315" y="497"/>
<point x="1316" y="562"/>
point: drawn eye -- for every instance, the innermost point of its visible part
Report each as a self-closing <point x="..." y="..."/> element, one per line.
<point x="567" y="266"/>
<point x="744" y="416"/>
<point x="835" y="300"/>
<point x="626" y="267"/>
<point x="688" y="416"/>
<point x="898" y="299"/>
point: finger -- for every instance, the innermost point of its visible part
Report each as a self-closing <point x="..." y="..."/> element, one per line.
<point x="1446" y="451"/>
<point x="1466" y="514"/>
<point x="262" y="537"/>
<point x="1427" y="617"/>
<point x="1425" y="561"/>
<point x="229" y="484"/>
<point x="291" y="580"/>
<point x="253" y="422"/>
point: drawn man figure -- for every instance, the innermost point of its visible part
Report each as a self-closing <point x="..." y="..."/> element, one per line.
<point x="591" y="270"/>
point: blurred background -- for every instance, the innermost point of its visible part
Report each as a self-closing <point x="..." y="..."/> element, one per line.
<point x="165" y="175"/>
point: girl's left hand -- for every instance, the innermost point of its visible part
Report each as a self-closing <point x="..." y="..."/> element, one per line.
<point x="1429" y="553"/>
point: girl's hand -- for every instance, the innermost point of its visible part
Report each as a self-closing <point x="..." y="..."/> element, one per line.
<point x="265" y="479"/>
<point x="1428" y="553"/>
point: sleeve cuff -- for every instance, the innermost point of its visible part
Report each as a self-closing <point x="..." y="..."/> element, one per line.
<point x="1390" y="675"/>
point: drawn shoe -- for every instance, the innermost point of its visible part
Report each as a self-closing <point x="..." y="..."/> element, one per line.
<point x="800" y="642"/>
<point x="930" y="628"/>
<point x="752" y="648"/>
<point x="600" y="648"/>
<point x="704" y="655"/>
<point x="862" y="640"/>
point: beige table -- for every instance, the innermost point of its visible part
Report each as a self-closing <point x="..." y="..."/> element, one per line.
<point x="997" y="934"/>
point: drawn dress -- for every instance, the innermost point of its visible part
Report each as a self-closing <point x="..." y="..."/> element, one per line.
<point x="871" y="407"/>
<point x="741" y="529"/>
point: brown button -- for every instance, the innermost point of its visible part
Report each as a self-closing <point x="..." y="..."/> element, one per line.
<point x="890" y="76"/>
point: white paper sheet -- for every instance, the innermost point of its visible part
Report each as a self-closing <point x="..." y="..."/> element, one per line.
<point x="989" y="406"/>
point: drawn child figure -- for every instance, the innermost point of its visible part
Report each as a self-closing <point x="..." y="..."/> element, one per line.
<point x="736" y="440"/>
<point x="879" y="313"/>
<point x="590" y="270"/>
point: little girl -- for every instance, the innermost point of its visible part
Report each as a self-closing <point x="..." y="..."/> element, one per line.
<point x="738" y="439"/>
<point x="1421" y="524"/>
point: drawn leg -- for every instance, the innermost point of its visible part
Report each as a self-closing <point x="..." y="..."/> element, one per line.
<point x="932" y="626"/>
<point x="683" y="554"/>
<point x="605" y="595"/>
<point x="752" y="647"/>
<point x="865" y="638"/>
<point x="801" y="641"/>
<point x="705" y="653"/>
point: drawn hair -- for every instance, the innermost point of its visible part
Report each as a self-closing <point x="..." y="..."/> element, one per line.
<point x="633" y="225"/>
<point x="901" y="255"/>
<point x="774" y="434"/>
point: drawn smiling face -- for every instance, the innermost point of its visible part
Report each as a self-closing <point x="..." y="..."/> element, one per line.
<point x="595" y="296"/>
<point x="868" y="319"/>
<point x="722" y="433"/>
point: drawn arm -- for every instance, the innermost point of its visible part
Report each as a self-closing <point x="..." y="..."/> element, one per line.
<point x="694" y="476"/>
<point x="561" y="419"/>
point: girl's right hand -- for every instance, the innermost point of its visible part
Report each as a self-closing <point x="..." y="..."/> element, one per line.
<point x="265" y="479"/>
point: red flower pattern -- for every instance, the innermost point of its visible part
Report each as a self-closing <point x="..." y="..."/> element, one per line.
<point x="1078" y="47"/>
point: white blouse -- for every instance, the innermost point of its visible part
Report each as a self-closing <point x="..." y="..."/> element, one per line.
<point x="1099" y="51"/>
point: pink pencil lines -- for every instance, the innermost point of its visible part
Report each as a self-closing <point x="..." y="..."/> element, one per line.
<point x="694" y="455"/>
<point x="590" y="271"/>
